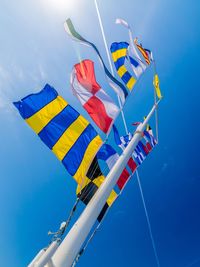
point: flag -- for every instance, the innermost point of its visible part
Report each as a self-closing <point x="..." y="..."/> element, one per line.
<point x="119" y="54"/>
<point x="122" y="22"/>
<point x="136" y="66"/>
<point x="157" y="86"/>
<point x="146" y="53"/>
<point x="139" y="154"/>
<point x="132" y="46"/>
<point x="121" y="90"/>
<point x="136" y="123"/>
<point x="116" y="136"/>
<point x="93" y="98"/>
<point x="125" y="139"/>
<point x="150" y="137"/>
<point x="121" y="141"/>
<point x="141" y="150"/>
<point x="68" y="134"/>
<point x="93" y="180"/>
<point x="108" y="154"/>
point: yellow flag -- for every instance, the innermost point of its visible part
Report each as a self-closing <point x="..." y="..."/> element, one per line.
<point x="157" y="86"/>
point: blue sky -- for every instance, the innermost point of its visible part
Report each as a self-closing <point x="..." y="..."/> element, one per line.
<point x="36" y="193"/>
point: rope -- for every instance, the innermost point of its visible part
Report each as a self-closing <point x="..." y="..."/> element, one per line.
<point x="155" y="102"/>
<point x="109" y="60"/>
<point x="88" y="241"/>
<point x="57" y="235"/>
<point x="95" y="230"/>
<point x="71" y="215"/>
<point x="84" y="248"/>
<point x="148" y="220"/>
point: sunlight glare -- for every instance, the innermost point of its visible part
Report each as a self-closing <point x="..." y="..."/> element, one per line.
<point x="58" y="5"/>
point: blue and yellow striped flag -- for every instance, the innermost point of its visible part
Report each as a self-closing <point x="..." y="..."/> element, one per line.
<point x="68" y="134"/>
<point x="119" y="54"/>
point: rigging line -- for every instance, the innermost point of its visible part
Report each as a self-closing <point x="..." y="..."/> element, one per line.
<point x="62" y="231"/>
<point x="84" y="248"/>
<point x="71" y="214"/>
<point x="109" y="60"/>
<point x="98" y="226"/>
<point x="94" y="168"/>
<point x="148" y="220"/>
<point x="57" y="235"/>
<point x="156" y="111"/>
<point x="89" y="240"/>
<point x="106" y="168"/>
<point x="76" y="204"/>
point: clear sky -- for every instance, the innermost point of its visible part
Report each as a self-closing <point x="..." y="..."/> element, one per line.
<point x="36" y="192"/>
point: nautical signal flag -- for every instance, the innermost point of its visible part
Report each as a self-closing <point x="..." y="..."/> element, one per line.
<point x="68" y="134"/>
<point x="150" y="138"/>
<point x="121" y="141"/>
<point x="137" y="65"/>
<point x="108" y="154"/>
<point x="115" y="84"/>
<point x="156" y="84"/>
<point x="119" y="55"/>
<point x="146" y="53"/>
<point x="93" y="98"/>
<point x="92" y="181"/>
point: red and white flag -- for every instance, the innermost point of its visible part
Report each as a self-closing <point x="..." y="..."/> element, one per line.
<point x="93" y="98"/>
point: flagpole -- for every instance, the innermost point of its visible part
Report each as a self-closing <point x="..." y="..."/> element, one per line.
<point x="109" y="60"/>
<point x="73" y="242"/>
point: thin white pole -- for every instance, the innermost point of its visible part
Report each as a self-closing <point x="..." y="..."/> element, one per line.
<point x="148" y="220"/>
<point x="109" y="60"/>
<point x="73" y="242"/>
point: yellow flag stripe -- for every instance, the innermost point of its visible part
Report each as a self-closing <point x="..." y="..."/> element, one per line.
<point x="70" y="136"/>
<point x="113" y="195"/>
<point x="119" y="53"/>
<point x="122" y="70"/>
<point x="111" y="198"/>
<point x="131" y="83"/>
<point x="85" y="181"/>
<point x="41" y="118"/>
<point x="89" y="155"/>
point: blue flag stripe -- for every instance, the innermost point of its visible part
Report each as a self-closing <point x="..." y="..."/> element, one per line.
<point x="32" y="103"/>
<point x="116" y="46"/>
<point x="105" y="152"/>
<point x="57" y="126"/>
<point x="126" y="77"/>
<point x="75" y="155"/>
<point x="133" y="62"/>
<point x="120" y="62"/>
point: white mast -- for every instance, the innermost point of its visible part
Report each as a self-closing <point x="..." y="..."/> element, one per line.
<point x="73" y="242"/>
